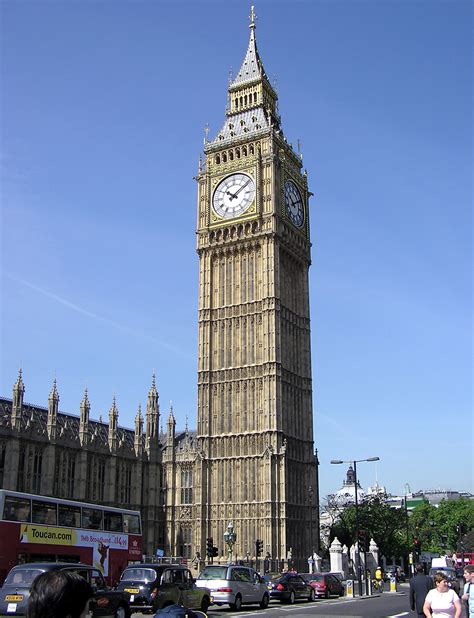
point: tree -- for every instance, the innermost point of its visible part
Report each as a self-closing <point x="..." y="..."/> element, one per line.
<point x="383" y="523"/>
<point x="446" y="528"/>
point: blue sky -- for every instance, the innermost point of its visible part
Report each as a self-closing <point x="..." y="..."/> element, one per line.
<point x="103" y="116"/>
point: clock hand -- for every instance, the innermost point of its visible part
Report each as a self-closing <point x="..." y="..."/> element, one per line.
<point x="242" y="187"/>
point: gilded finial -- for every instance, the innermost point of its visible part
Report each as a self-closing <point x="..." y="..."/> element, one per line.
<point x="252" y="17"/>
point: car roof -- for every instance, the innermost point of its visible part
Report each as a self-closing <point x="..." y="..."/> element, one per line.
<point x="154" y="565"/>
<point x="51" y="565"/>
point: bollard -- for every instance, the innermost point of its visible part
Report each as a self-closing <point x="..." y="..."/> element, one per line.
<point x="349" y="588"/>
<point x="393" y="584"/>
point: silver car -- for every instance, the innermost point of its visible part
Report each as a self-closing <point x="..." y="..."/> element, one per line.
<point x="234" y="585"/>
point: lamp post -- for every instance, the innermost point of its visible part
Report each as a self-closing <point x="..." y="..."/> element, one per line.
<point x="229" y="539"/>
<point x="354" y="463"/>
<point x="310" y="494"/>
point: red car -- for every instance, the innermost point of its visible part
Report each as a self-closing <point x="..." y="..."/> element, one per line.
<point x="324" y="584"/>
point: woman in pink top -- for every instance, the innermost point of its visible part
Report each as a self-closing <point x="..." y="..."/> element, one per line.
<point x="442" y="602"/>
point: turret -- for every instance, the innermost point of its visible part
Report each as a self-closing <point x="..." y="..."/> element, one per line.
<point x="84" y="420"/>
<point x="152" y="417"/>
<point x="138" y="442"/>
<point x="17" y="406"/>
<point x="113" y="425"/>
<point x="171" y="428"/>
<point x="53" y="404"/>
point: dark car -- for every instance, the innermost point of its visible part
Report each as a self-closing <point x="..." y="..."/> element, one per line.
<point x="153" y="586"/>
<point x="288" y="587"/>
<point x="15" y="591"/>
<point x="450" y="573"/>
<point x="324" y="584"/>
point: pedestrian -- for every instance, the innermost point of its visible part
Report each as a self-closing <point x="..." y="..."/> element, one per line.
<point x="468" y="597"/>
<point x="59" y="594"/>
<point x="442" y="602"/>
<point x="420" y="585"/>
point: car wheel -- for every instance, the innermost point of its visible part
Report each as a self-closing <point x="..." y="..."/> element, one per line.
<point x="311" y="596"/>
<point x="237" y="604"/>
<point x="205" y="604"/>
<point x="265" y="601"/>
<point x="291" y="600"/>
<point x="121" y="612"/>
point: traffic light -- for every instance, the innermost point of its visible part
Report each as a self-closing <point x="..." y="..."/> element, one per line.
<point x="209" y="547"/>
<point x="258" y="547"/>
<point x="417" y="545"/>
<point x="215" y="552"/>
<point x="363" y="540"/>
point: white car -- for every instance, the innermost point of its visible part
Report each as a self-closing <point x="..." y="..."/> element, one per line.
<point x="234" y="585"/>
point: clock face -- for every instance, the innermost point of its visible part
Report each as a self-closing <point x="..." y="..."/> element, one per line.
<point x="294" y="203"/>
<point x="233" y="195"/>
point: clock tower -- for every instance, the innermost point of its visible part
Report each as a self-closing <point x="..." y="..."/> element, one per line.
<point x="256" y="465"/>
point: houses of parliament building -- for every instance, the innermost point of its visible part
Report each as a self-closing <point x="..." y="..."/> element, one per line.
<point x="251" y="458"/>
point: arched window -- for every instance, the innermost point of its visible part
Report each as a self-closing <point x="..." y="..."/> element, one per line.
<point x="224" y="157"/>
<point x="218" y="159"/>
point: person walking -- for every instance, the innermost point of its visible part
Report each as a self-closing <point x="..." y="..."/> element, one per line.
<point x="468" y="596"/>
<point x="420" y="585"/>
<point x="442" y="602"/>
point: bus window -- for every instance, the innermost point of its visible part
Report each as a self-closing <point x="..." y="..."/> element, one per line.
<point x="131" y="523"/>
<point x="69" y="516"/>
<point x="16" y="509"/>
<point x="113" y="521"/>
<point x="44" y="513"/>
<point x="92" y="519"/>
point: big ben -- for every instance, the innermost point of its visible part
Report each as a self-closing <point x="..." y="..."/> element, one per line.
<point x="256" y="466"/>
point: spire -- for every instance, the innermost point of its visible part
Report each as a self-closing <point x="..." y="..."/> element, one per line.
<point x="138" y="431"/>
<point x="171" y="426"/>
<point x="252" y="100"/>
<point x="113" y="426"/>
<point x="252" y="66"/>
<point x="85" y="408"/>
<point x="152" y="414"/>
<point x="17" y="404"/>
<point x="53" y="402"/>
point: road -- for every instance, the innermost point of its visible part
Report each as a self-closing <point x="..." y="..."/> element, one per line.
<point x="386" y="605"/>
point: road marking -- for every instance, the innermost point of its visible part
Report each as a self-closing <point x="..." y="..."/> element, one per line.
<point x="398" y="615"/>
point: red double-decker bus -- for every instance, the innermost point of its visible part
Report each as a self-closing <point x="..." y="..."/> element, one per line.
<point x="39" y="528"/>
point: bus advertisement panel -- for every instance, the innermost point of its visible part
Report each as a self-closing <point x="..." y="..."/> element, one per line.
<point x="25" y="536"/>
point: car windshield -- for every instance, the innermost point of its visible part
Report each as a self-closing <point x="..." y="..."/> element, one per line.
<point x="22" y="577"/>
<point x="214" y="573"/>
<point x="444" y="571"/>
<point x="139" y="574"/>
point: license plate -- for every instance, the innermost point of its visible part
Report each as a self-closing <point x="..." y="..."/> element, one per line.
<point x="11" y="607"/>
<point x="14" y="597"/>
<point x="132" y="590"/>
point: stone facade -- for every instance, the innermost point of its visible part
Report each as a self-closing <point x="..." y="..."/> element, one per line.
<point x="255" y="422"/>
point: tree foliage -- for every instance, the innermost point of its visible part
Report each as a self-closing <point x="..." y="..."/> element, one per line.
<point x="443" y="529"/>
<point x="383" y="523"/>
<point x="446" y="528"/>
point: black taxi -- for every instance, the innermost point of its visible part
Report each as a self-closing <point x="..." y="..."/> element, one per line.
<point x="15" y="592"/>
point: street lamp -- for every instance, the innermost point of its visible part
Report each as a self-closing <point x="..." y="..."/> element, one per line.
<point x="229" y="538"/>
<point x="310" y="494"/>
<point x="354" y="463"/>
